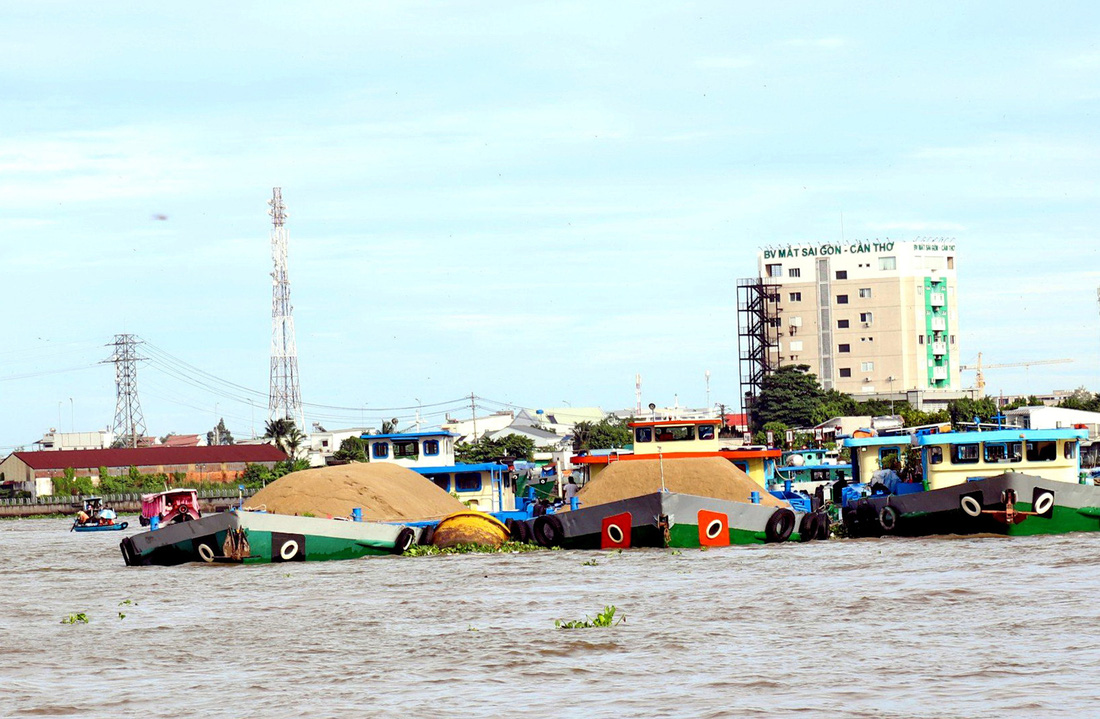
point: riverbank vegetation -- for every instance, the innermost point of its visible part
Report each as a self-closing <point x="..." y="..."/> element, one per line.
<point x="606" y="618"/>
<point x="430" y="550"/>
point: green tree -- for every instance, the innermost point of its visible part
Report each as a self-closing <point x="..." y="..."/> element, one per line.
<point x="966" y="409"/>
<point x="352" y="449"/>
<point x="1029" y="401"/>
<point x="790" y="395"/>
<point x="1083" y="400"/>
<point x="512" y="446"/>
<point x="284" y="434"/>
<point x="219" y="435"/>
<point x="608" y="433"/>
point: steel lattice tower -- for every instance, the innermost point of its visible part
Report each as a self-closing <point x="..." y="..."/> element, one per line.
<point x="285" y="396"/>
<point x="129" y="421"/>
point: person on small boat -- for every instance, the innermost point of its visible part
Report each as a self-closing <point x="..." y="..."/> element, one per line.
<point x="82" y="517"/>
<point x="106" y="517"/>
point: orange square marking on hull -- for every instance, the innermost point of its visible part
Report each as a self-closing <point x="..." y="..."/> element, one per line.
<point x="714" y="529"/>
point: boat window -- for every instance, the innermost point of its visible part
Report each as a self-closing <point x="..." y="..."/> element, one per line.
<point x="706" y="431"/>
<point x="468" y="482"/>
<point x="643" y="434"/>
<point x="1002" y="452"/>
<point x="965" y="453"/>
<point x="1070" y="450"/>
<point x="743" y="466"/>
<point x="1042" y="451"/>
<point x="380" y="450"/>
<point x="431" y="447"/>
<point x="406" y="449"/>
<point x="887" y="452"/>
<point x="676" y="434"/>
<point x="443" y="481"/>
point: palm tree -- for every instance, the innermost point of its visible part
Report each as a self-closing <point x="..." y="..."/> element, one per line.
<point x="294" y="439"/>
<point x="281" y="431"/>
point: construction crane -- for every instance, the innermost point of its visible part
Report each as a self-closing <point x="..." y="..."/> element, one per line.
<point x="980" y="379"/>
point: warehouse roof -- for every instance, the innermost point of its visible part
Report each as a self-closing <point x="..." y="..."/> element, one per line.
<point x="151" y="456"/>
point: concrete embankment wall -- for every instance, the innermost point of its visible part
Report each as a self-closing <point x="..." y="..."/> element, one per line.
<point x="209" y="501"/>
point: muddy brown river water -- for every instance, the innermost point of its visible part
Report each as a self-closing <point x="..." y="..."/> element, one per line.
<point x="976" y="627"/>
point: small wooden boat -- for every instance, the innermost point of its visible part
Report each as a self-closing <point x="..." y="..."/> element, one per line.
<point x="95" y="517"/>
<point x="94" y="527"/>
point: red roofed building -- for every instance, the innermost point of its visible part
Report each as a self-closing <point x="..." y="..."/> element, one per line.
<point x="33" y="471"/>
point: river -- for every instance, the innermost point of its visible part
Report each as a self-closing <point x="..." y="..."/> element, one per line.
<point x="946" y="627"/>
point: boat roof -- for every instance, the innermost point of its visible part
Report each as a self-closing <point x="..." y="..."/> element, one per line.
<point x="813" y="466"/>
<point x="479" y="467"/>
<point x="672" y="456"/>
<point x="666" y="422"/>
<point x="1000" y="435"/>
<point x="898" y="439"/>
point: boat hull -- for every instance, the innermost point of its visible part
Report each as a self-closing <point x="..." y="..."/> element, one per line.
<point x="1073" y="508"/>
<point x="270" y="538"/>
<point x="100" y="527"/>
<point x="668" y="519"/>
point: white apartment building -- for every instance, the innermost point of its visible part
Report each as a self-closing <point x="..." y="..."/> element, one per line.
<point x="871" y="318"/>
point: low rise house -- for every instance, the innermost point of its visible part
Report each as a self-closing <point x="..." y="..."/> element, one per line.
<point x="1043" y="417"/>
<point x="34" y="472"/>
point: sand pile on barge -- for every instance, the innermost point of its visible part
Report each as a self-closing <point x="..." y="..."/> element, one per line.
<point x="385" y="492"/>
<point x="702" y="476"/>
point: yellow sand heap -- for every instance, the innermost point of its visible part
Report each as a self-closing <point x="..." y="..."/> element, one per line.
<point x="702" y="476"/>
<point x="385" y="492"/>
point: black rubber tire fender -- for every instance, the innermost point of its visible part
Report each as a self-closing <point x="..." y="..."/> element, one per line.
<point x="807" y="528"/>
<point x="780" y="526"/>
<point x="427" y="535"/>
<point x="888" y="518"/>
<point x="548" y="531"/>
<point x="823" y="526"/>
<point x="523" y="532"/>
<point x="404" y="540"/>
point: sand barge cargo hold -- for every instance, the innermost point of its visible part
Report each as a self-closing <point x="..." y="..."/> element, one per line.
<point x="342" y="512"/>
<point x="691" y="502"/>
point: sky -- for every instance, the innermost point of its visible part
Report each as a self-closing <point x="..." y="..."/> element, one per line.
<point x="529" y="201"/>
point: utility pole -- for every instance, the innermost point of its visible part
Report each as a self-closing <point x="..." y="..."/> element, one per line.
<point x="129" y="420"/>
<point x="473" y="414"/>
<point x="284" y="396"/>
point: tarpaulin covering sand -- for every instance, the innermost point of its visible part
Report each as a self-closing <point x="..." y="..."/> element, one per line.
<point x="702" y="476"/>
<point x="385" y="492"/>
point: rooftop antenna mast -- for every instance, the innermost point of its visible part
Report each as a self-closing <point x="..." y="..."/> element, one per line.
<point x="637" y="395"/>
<point x="285" y="396"/>
<point x="129" y="420"/>
<point x="707" y="376"/>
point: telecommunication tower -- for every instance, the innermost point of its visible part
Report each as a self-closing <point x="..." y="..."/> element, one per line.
<point x="285" y="396"/>
<point x="129" y="421"/>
